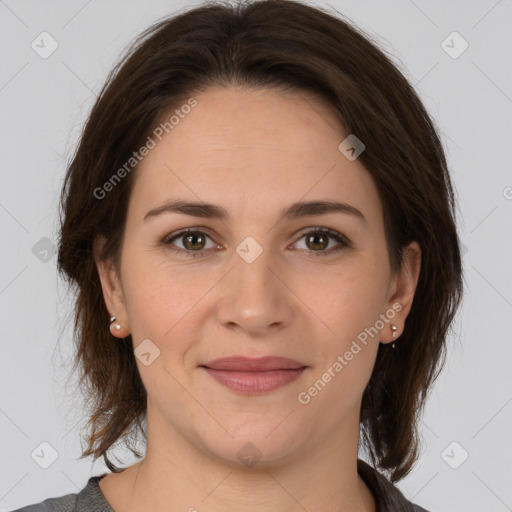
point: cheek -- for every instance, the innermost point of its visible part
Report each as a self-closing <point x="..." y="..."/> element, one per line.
<point x="168" y="304"/>
<point x="348" y="353"/>
<point x="351" y="299"/>
<point x="158" y="297"/>
<point x="355" y="299"/>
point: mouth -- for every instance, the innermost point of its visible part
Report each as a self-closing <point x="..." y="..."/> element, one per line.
<point x="254" y="376"/>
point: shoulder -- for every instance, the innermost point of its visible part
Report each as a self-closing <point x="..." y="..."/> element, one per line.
<point x="388" y="498"/>
<point x="89" y="499"/>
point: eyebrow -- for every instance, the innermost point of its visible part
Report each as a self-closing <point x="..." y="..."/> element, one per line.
<point x="294" y="211"/>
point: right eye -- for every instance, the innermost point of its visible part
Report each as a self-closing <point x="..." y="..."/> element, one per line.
<point x="192" y="240"/>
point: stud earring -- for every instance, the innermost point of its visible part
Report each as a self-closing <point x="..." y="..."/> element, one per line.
<point x="117" y="327"/>
<point x="394" y="328"/>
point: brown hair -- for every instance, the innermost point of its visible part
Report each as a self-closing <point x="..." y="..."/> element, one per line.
<point x="269" y="43"/>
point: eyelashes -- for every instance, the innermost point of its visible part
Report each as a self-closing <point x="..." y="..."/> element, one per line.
<point x="196" y="235"/>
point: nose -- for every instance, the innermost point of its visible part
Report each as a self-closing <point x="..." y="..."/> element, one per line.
<point x="255" y="297"/>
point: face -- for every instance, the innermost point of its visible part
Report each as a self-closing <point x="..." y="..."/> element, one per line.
<point x="311" y="285"/>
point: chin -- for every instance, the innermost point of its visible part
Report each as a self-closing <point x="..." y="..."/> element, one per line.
<point x="256" y="449"/>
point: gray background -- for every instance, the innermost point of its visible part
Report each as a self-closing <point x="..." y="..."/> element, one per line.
<point x="43" y="104"/>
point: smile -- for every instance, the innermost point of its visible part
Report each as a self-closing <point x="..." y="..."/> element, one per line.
<point x="254" y="376"/>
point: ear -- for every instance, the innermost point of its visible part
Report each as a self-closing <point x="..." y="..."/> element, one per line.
<point x="402" y="289"/>
<point x="112" y="290"/>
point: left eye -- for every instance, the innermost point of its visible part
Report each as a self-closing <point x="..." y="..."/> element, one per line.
<point x="321" y="237"/>
<point x="194" y="241"/>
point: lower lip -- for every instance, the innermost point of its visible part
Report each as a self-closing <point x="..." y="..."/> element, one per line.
<point x="255" y="383"/>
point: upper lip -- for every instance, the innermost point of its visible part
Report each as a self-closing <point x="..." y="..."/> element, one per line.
<point x="247" y="364"/>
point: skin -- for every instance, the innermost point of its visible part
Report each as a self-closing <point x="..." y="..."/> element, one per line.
<point x="253" y="152"/>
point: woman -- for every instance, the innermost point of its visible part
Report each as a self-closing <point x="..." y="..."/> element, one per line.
<point x="260" y="224"/>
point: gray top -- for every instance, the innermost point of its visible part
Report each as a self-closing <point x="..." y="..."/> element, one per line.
<point x="388" y="498"/>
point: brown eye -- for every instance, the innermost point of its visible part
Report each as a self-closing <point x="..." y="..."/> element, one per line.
<point x="193" y="242"/>
<point x="321" y="240"/>
<point x="318" y="239"/>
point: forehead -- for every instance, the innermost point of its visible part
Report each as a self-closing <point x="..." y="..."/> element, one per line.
<point x="254" y="147"/>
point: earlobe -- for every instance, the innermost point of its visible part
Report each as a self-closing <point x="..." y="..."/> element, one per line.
<point x="405" y="284"/>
